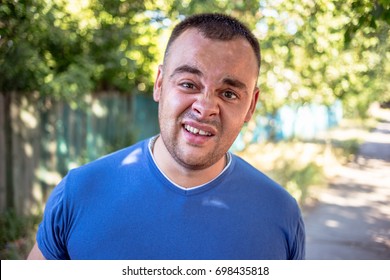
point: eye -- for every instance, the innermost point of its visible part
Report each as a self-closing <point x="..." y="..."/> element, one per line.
<point x="188" y="85"/>
<point x="229" y="95"/>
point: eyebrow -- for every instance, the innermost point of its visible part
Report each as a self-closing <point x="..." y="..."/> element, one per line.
<point x="234" y="83"/>
<point x="186" y="69"/>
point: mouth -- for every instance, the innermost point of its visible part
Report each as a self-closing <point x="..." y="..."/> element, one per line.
<point x="196" y="131"/>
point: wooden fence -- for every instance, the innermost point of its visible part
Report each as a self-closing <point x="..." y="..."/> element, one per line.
<point x="49" y="138"/>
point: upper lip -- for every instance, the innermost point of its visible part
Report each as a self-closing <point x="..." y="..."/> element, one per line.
<point x="201" y="126"/>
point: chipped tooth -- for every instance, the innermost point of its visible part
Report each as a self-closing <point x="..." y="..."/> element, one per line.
<point x="201" y="132"/>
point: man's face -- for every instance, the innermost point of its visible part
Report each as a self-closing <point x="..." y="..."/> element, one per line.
<point x="206" y="90"/>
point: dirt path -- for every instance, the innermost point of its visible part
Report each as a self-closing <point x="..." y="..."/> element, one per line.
<point x="352" y="218"/>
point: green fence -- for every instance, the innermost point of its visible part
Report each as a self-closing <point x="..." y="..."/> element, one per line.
<point x="47" y="143"/>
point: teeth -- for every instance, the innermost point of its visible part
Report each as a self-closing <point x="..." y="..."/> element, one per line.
<point x="194" y="130"/>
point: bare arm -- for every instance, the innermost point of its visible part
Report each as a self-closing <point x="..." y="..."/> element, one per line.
<point x="36" y="254"/>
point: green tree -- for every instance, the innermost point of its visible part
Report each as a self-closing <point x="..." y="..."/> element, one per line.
<point x="63" y="50"/>
<point x="320" y="51"/>
<point x="247" y="11"/>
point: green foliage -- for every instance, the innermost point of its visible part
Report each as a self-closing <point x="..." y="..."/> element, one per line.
<point x="16" y="234"/>
<point x="247" y="11"/>
<point x="16" y="48"/>
<point x="66" y="50"/>
<point x="369" y="16"/>
<point x="311" y="53"/>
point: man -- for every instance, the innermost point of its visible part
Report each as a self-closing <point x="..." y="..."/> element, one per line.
<point x="181" y="194"/>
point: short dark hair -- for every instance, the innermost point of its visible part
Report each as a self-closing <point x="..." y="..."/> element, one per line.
<point x="219" y="27"/>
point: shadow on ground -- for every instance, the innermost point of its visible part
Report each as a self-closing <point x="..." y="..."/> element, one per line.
<point x="352" y="217"/>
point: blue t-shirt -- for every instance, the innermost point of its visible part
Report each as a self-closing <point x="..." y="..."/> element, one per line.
<point x="123" y="207"/>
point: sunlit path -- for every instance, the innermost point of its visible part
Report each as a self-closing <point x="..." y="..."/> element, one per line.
<point x="352" y="218"/>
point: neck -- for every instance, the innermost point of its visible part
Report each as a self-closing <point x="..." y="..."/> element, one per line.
<point x="181" y="175"/>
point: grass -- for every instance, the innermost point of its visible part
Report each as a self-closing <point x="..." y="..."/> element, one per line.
<point x="17" y="235"/>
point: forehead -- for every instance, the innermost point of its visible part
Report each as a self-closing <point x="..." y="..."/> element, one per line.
<point x="229" y="55"/>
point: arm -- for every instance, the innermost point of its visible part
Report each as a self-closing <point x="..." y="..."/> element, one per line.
<point x="35" y="254"/>
<point x="299" y="246"/>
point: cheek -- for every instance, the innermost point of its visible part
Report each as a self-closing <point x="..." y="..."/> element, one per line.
<point x="174" y="104"/>
<point x="233" y="119"/>
<point x="233" y="127"/>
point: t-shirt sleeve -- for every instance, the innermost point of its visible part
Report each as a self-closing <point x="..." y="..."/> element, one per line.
<point x="299" y="242"/>
<point x="52" y="231"/>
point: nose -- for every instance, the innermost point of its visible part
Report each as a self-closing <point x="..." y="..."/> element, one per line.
<point x="206" y="106"/>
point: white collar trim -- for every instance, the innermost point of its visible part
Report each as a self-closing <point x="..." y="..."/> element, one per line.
<point x="152" y="141"/>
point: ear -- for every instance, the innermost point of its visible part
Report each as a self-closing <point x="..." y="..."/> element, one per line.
<point x="252" y="107"/>
<point x="158" y="84"/>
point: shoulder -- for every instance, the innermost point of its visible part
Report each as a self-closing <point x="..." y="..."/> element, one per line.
<point x="115" y="160"/>
<point x="121" y="156"/>
<point x="261" y="186"/>
<point x="108" y="170"/>
<point x="248" y="173"/>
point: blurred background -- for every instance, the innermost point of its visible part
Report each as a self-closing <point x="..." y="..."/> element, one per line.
<point x="76" y="80"/>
